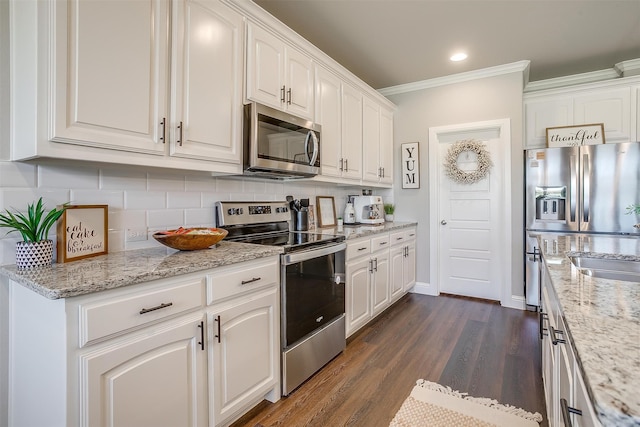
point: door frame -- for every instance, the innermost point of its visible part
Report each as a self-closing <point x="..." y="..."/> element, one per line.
<point x="504" y="128"/>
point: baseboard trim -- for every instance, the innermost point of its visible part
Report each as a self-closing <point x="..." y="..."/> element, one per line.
<point x="424" y="289"/>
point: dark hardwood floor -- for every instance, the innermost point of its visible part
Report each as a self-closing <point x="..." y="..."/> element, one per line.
<point x="473" y="346"/>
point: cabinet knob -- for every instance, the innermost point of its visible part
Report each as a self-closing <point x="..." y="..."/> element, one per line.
<point x="443" y="222"/>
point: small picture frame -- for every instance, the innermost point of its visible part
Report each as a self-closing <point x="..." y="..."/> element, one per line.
<point x="326" y="211"/>
<point x="82" y="232"/>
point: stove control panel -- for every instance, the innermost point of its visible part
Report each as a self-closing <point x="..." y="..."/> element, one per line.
<point x="247" y="213"/>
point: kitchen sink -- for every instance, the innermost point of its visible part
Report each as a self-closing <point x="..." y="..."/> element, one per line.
<point x="604" y="268"/>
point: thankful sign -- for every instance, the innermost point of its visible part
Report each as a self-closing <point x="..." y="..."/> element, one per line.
<point x="82" y="232"/>
<point x="410" y="165"/>
<point x="575" y="136"/>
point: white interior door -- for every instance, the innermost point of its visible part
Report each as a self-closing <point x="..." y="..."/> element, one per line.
<point x="470" y="225"/>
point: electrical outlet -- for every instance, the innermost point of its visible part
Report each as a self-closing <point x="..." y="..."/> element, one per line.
<point x="136" y="234"/>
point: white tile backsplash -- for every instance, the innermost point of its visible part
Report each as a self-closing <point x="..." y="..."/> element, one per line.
<point x="142" y="198"/>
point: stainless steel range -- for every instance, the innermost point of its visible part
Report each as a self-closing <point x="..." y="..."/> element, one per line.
<point x="312" y="293"/>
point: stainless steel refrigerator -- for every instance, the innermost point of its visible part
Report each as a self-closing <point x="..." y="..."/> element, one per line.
<point x="578" y="190"/>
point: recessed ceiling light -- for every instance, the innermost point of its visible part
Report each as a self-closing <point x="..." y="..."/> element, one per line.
<point x="459" y="57"/>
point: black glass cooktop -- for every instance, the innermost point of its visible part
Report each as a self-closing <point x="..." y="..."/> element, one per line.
<point x="292" y="241"/>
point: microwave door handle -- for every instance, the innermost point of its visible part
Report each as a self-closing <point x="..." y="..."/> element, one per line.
<point x="311" y="135"/>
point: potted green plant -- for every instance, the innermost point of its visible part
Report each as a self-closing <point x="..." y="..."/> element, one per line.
<point x="36" y="249"/>
<point x="389" y="209"/>
<point x="634" y="209"/>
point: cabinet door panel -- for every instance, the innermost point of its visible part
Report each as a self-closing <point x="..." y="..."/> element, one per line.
<point x="245" y="360"/>
<point x="371" y="140"/>
<point x="611" y="107"/>
<point x="410" y="266"/>
<point x="265" y="67"/>
<point x="540" y="115"/>
<point x="149" y="380"/>
<point x="352" y="132"/>
<point x="380" y="286"/>
<point x="386" y="146"/>
<point x="299" y="78"/>
<point x="207" y="66"/>
<point x="358" y="296"/>
<point x="396" y="273"/>
<point x="110" y="88"/>
<point x="328" y="115"/>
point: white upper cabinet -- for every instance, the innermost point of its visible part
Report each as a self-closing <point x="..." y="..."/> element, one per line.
<point x="278" y="75"/>
<point x="110" y="89"/>
<point x="113" y="93"/>
<point x="377" y="151"/>
<point x="352" y="116"/>
<point x="206" y="115"/>
<point x="610" y="103"/>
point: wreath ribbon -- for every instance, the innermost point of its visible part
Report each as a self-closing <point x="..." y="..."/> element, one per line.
<point x="454" y="172"/>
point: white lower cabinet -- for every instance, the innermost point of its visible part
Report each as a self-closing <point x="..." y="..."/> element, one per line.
<point x="154" y="379"/>
<point x="402" y="262"/>
<point x="152" y="354"/>
<point x="566" y="397"/>
<point x="377" y="276"/>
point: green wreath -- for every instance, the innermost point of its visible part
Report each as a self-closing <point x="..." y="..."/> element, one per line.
<point x="467" y="177"/>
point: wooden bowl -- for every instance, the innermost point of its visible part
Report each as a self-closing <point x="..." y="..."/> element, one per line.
<point x="193" y="240"/>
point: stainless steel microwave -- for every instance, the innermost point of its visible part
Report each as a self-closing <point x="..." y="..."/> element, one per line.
<point x="279" y="145"/>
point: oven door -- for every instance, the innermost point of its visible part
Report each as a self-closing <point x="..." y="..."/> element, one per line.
<point x="313" y="291"/>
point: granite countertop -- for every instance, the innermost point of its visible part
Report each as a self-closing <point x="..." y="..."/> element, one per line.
<point x="602" y="318"/>
<point x="356" y="231"/>
<point x="126" y="268"/>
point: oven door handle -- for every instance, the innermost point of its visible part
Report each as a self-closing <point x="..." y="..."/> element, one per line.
<point x="295" y="257"/>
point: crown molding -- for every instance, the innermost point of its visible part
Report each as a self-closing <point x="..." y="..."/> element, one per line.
<point x="514" y="67"/>
<point x="628" y="68"/>
<point x="575" y="79"/>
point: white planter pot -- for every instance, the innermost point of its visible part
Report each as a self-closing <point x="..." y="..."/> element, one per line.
<point x="388" y="217"/>
<point x="34" y="254"/>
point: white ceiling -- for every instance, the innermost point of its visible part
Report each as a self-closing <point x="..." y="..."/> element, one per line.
<point x="392" y="42"/>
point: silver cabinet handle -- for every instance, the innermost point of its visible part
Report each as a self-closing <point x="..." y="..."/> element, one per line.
<point x="289" y="96"/>
<point x="201" y="342"/>
<point x="443" y="222"/>
<point x="245" y="282"/>
<point x="346" y="165"/>
<point x="341" y="165"/>
<point x="370" y="266"/>
<point x="554" y="338"/>
<point x="218" y="335"/>
<point x="376" y="261"/>
<point x="164" y="129"/>
<point x="282" y="93"/>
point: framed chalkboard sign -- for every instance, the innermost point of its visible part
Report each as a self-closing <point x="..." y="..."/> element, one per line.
<point x="82" y="232"/>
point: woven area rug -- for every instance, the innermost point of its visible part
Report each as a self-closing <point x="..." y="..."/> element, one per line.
<point x="431" y="404"/>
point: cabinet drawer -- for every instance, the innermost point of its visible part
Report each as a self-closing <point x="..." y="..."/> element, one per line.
<point x="240" y="279"/>
<point x="380" y="242"/>
<point x="399" y="237"/>
<point x="358" y="248"/>
<point x="110" y="316"/>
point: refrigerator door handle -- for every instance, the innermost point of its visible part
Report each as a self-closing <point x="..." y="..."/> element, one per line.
<point x="586" y="187"/>
<point x="573" y="193"/>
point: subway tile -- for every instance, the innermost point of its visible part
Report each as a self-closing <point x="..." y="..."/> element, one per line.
<point x="116" y="241"/>
<point x="129" y="219"/>
<point x="165" y="218"/>
<point x="200" y="183"/>
<point x="18" y="199"/>
<point x="124" y="178"/>
<point x="209" y="199"/>
<point x="145" y="199"/>
<point x="167" y="181"/>
<point x="254" y="186"/>
<point x="229" y="185"/>
<point x="68" y="176"/>
<point x="199" y="217"/>
<point x="16" y="174"/>
<point x="113" y="198"/>
<point x="183" y="200"/>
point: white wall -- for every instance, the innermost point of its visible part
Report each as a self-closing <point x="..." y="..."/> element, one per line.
<point x="490" y="98"/>
<point x="142" y="198"/>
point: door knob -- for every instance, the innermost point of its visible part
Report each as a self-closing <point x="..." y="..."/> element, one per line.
<point x="443" y="222"/>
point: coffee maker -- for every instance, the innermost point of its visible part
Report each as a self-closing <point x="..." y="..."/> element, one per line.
<point x="369" y="209"/>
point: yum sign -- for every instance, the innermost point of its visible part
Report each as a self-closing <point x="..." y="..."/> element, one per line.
<point x="410" y="165"/>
